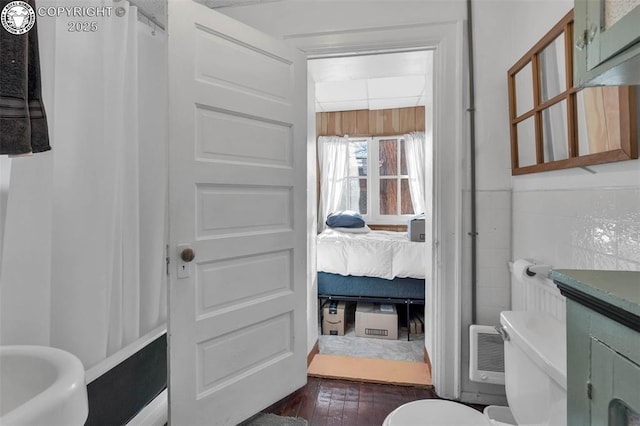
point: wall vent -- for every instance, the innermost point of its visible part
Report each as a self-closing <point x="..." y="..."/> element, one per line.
<point x="486" y="358"/>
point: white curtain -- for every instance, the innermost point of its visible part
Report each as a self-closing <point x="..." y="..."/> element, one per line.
<point x="333" y="158"/>
<point x="5" y="176"/>
<point x="110" y="174"/>
<point x="414" y="145"/>
<point x="154" y="167"/>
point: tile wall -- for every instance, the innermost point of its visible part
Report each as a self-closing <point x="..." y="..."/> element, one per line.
<point x="494" y="252"/>
<point x="579" y="228"/>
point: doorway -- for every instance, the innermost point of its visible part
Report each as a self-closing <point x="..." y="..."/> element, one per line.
<point x="376" y="103"/>
<point x="444" y="255"/>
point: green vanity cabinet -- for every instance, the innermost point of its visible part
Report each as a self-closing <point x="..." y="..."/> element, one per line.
<point x="617" y="394"/>
<point x="606" y="37"/>
<point x="603" y="346"/>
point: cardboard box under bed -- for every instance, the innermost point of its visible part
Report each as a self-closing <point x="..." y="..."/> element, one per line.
<point x="376" y="320"/>
<point x="406" y="291"/>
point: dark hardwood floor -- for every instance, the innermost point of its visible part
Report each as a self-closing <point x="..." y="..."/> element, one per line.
<point x="328" y="402"/>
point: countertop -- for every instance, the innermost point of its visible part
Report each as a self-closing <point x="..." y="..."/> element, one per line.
<point x="619" y="290"/>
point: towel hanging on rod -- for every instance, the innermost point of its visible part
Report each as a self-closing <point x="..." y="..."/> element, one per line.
<point x="23" y="122"/>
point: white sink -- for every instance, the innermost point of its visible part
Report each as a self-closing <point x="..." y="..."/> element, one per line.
<point x="40" y="385"/>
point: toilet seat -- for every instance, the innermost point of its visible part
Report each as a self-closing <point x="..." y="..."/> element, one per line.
<point x="435" y="412"/>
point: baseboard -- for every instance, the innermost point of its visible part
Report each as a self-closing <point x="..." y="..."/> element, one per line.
<point x="427" y="360"/>
<point x="315" y="350"/>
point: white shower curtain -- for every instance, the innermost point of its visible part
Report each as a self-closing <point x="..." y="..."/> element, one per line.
<point x="109" y="204"/>
<point x="414" y="145"/>
<point x="5" y="176"/>
<point x="333" y="158"/>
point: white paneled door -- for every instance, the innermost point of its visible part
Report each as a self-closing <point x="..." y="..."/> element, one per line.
<point x="237" y="310"/>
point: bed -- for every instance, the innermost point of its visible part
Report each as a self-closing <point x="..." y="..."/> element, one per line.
<point x="379" y="266"/>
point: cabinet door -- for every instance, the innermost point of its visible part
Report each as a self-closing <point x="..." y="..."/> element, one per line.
<point x="615" y="387"/>
<point x="615" y="27"/>
<point x="606" y="35"/>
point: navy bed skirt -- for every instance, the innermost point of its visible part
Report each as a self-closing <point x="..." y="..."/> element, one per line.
<point x="340" y="285"/>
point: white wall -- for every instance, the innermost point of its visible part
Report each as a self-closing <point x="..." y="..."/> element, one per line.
<point x="503" y="31"/>
<point x="575" y="218"/>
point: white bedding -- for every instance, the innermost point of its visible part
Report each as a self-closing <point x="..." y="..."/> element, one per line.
<point x="383" y="254"/>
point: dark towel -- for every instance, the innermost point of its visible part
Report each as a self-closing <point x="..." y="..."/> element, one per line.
<point x="23" y="122"/>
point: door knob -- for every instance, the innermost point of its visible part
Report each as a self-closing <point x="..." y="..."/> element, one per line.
<point x="187" y="255"/>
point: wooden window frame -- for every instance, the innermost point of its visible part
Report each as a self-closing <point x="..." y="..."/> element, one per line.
<point x="373" y="178"/>
<point x="398" y="177"/>
<point x="627" y="105"/>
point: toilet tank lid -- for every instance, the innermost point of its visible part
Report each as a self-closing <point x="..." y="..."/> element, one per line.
<point x="542" y="337"/>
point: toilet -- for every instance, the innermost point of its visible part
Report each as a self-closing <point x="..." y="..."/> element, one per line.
<point x="535" y="379"/>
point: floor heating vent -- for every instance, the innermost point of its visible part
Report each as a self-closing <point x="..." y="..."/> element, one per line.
<point x="486" y="355"/>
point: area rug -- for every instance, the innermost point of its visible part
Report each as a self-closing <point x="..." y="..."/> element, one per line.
<point x="370" y="370"/>
<point x="268" y="419"/>
<point x="364" y="347"/>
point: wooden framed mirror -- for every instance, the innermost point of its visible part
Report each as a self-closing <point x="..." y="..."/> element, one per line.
<point x="556" y="126"/>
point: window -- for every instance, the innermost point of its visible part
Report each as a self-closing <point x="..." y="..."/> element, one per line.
<point x="378" y="182"/>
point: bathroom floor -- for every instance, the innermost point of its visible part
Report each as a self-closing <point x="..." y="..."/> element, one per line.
<point x="328" y="402"/>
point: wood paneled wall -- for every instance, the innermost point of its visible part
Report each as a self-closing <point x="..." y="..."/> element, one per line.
<point x="364" y="122"/>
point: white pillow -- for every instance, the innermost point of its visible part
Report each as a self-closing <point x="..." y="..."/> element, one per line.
<point x="364" y="230"/>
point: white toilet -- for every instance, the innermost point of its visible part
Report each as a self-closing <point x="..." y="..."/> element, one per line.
<point x="535" y="379"/>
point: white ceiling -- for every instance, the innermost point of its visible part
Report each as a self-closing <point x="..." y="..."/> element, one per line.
<point x="392" y="80"/>
<point x="157" y="9"/>
<point x="215" y="4"/>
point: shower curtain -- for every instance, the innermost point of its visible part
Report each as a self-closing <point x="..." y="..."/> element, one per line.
<point x="109" y="185"/>
<point x="5" y="176"/>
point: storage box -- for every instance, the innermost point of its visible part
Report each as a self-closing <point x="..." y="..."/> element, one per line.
<point x="415" y="228"/>
<point x="333" y="318"/>
<point x="377" y="320"/>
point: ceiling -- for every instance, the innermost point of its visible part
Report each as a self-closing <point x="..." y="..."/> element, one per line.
<point x="216" y="4"/>
<point x="157" y="9"/>
<point x="392" y="80"/>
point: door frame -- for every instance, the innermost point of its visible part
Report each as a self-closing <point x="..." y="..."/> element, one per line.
<point x="444" y="257"/>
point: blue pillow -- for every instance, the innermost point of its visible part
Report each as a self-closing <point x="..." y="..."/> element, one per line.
<point x="345" y="219"/>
